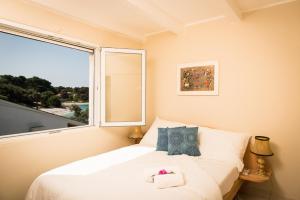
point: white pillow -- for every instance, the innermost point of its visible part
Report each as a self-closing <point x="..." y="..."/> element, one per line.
<point x="213" y="143"/>
<point x="150" y="138"/>
<point x="223" y="145"/>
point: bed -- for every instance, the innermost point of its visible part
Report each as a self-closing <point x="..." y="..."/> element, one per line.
<point x="118" y="174"/>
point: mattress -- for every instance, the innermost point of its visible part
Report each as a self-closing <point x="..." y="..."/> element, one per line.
<point x="118" y="169"/>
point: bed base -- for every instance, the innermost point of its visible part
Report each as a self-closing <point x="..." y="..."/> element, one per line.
<point x="250" y="163"/>
<point x="234" y="190"/>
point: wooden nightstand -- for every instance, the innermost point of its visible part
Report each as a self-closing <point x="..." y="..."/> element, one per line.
<point x="254" y="177"/>
<point x="250" y="161"/>
<point x="251" y="177"/>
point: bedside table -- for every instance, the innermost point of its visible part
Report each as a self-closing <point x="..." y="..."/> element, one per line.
<point x="251" y="177"/>
<point x="254" y="177"/>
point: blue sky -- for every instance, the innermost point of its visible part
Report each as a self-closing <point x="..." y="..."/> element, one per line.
<point x="61" y="66"/>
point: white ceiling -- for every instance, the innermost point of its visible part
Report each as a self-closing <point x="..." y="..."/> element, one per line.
<point x="141" y="18"/>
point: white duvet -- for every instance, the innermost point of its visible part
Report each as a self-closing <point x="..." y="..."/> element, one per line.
<point x="119" y="175"/>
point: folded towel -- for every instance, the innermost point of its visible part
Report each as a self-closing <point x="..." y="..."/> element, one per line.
<point x="149" y="173"/>
<point x="168" y="180"/>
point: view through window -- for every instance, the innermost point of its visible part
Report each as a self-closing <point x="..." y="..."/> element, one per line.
<point x="42" y="86"/>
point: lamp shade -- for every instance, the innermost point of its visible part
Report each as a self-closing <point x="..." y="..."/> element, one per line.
<point x="261" y="146"/>
<point x="136" y="133"/>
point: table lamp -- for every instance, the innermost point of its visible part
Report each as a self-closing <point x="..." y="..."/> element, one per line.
<point x="261" y="148"/>
<point x="136" y="134"/>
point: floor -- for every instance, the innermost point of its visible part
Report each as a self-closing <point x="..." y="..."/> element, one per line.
<point x="248" y="197"/>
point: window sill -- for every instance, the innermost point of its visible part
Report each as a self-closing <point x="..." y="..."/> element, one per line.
<point x="7" y="138"/>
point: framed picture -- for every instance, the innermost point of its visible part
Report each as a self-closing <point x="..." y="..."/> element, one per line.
<point x="198" y="78"/>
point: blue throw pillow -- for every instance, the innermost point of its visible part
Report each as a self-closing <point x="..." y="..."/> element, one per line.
<point x="183" y="141"/>
<point x="162" y="139"/>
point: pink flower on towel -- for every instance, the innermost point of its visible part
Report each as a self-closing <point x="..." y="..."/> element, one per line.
<point x="162" y="172"/>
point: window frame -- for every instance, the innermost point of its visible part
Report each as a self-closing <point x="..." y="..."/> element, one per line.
<point x="58" y="39"/>
<point x="103" y="121"/>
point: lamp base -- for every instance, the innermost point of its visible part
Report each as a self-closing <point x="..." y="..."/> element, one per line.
<point x="136" y="140"/>
<point x="261" y="166"/>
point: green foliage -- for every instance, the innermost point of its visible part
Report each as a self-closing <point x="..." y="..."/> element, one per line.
<point x="77" y="94"/>
<point x="45" y="96"/>
<point x="82" y="94"/>
<point x="34" y="95"/>
<point x="38" y="84"/>
<point x="64" y="94"/>
<point x="83" y="117"/>
<point x="38" y="92"/>
<point x="75" y="97"/>
<point x="3" y="97"/>
<point x="76" y="109"/>
<point x="80" y="115"/>
<point x="17" y="81"/>
<point x="24" y="91"/>
<point x="54" y="101"/>
<point x="15" y="94"/>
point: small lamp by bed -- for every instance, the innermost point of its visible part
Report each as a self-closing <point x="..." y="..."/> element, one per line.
<point x="261" y="148"/>
<point x="136" y="134"/>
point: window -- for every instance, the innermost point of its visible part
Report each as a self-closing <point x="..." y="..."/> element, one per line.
<point x="43" y="86"/>
<point x="49" y="82"/>
<point x="122" y="87"/>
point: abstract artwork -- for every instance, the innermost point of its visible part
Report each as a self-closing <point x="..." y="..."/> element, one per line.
<point x="198" y="78"/>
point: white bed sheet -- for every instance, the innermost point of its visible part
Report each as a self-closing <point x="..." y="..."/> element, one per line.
<point x="223" y="173"/>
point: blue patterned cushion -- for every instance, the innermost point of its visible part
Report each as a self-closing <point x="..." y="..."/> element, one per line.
<point x="183" y="141"/>
<point x="162" y="139"/>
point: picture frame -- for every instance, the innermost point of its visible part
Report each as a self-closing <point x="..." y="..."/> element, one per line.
<point x="199" y="78"/>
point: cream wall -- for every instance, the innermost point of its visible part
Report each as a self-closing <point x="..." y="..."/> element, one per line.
<point x="258" y="83"/>
<point x="23" y="158"/>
